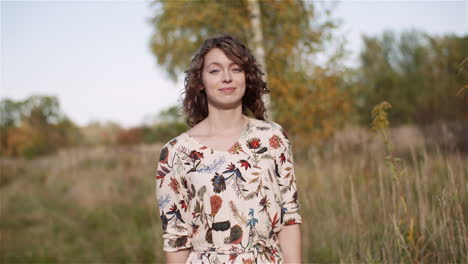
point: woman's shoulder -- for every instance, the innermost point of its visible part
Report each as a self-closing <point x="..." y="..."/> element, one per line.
<point x="175" y="142"/>
<point x="266" y="125"/>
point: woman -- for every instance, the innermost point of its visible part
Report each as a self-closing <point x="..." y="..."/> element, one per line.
<point x="226" y="188"/>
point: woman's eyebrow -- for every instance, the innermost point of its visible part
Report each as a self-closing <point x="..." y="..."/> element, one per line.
<point x="219" y="64"/>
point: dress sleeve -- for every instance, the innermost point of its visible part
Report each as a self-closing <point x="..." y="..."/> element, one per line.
<point x="172" y="202"/>
<point x="284" y="167"/>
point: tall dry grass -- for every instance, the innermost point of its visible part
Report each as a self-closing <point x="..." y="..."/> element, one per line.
<point x="98" y="205"/>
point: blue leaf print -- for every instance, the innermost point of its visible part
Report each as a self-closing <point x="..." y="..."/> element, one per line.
<point x="163" y="201"/>
<point x="213" y="166"/>
<point x="252" y="221"/>
<point x="251" y="212"/>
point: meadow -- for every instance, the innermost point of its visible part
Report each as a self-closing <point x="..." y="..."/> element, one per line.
<point x="359" y="202"/>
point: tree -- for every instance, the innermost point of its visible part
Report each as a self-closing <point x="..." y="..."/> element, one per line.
<point x="257" y="42"/>
<point x="10" y="116"/>
<point x="164" y="126"/>
<point x="417" y="73"/>
<point x="35" y="126"/>
<point x="293" y="33"/>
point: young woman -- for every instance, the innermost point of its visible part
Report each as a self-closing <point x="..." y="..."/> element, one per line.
<point x="226" y="188"/>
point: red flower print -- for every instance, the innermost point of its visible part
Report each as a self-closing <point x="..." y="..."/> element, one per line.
<point x="173" y="142"/>
<point x="274" y="221"/>
<point x="216" y="203"/>
<point x="236" y="148"/>
<point x="195" y="155"/>
<point x="183" y="205"/>
<point x="245" y="164"/>
<point x="272" y="257"/>
<point x="247" y="261"/>
<point x="282" y="158"/>
<point x="291" y="221"/>
<point x="174" y="185"/>
<point x="275" y="141"/>
<point x="233" y="256"/>
<point x="231" y="167"/>
<point x="173" y="208"/>
<point x="253" y="143"/>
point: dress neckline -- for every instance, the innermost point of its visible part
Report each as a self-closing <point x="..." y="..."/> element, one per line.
<point x="204" y="146"/>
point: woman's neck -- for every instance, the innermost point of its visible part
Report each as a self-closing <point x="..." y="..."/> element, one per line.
<point x="226" y="120"/>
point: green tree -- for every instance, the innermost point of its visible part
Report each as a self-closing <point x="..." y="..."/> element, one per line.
<point x="419" y="74"/>
<point x="166" y="125"/>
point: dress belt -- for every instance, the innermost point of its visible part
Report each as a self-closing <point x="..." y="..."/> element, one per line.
<point x="259" y="247"/>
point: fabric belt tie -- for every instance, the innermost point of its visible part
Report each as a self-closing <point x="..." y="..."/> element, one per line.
<point x="259" y="247"/>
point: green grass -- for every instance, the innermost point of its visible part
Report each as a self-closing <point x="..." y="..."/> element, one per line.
<point x="99" y="205"/>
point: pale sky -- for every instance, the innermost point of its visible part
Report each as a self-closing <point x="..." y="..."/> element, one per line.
<point x="95" y="56"/>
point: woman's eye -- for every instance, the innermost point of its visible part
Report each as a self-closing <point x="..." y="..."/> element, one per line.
<point x="237" y="70"/>
<point x="213" y="71"/>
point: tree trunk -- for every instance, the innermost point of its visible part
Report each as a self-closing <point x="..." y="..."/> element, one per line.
<point x="257" y="44"/>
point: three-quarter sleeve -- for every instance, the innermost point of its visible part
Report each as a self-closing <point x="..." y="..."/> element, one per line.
<point x="172" y="203"/>
<point x="284" y="166"/>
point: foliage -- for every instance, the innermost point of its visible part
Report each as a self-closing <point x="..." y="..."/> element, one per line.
<point x="35" y="126"/>
<point x="130" y="136"/>
<point x="293" y="33"/>
<point x="101" y="133"/>
<point x="419" y="74"/>
<point x="166" y="125"/>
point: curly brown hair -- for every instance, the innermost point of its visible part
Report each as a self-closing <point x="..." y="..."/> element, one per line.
<point x="195" y="104"/>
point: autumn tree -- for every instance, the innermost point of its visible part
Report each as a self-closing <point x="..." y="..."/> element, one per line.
<point x="306" y="97"/>
<point x="10" y="116"/>
<point x="35" y="126"/>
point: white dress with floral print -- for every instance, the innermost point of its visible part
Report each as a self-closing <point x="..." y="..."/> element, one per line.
<point x="228" y="206"/>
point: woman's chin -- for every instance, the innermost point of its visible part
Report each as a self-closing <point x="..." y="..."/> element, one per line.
<point x="227" y="104"/>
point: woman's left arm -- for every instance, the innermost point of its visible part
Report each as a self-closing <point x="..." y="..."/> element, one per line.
<point x="290" y="235"/>
<point x="290" y="243"/>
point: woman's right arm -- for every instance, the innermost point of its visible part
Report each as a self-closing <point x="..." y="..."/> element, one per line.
<point x="172" y="202"/>
<point x="180" y="256"/>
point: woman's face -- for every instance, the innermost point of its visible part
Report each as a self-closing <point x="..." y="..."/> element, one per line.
<point x="223" y="80"/>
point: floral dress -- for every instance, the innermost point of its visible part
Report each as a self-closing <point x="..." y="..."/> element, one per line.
<point x="228" y="206"/>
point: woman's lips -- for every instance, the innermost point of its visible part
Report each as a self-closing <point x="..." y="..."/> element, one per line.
<point x="228" y="89"/>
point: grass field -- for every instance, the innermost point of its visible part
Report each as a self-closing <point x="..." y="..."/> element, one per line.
<point x="98" y="205"/>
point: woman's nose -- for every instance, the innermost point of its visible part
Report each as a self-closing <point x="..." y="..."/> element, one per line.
<point x="227" y="78"/>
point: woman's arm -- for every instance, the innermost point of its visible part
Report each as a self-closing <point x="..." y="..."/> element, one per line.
<point x="290" y="243"/>
<point x="180" y="256"/>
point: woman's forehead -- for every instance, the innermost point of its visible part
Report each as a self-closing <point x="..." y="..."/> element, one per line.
<point x="218" y="57"/>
